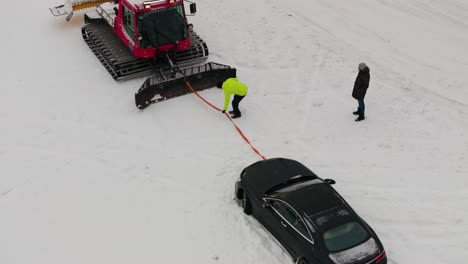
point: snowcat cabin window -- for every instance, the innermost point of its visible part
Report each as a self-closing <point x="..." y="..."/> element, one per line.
<point x="291" y="217"/>
<point x="129" y="22"/>
<point x="161" y="27"/>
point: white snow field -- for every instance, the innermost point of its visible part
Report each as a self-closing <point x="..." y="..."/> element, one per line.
<point x="86" y="177"/>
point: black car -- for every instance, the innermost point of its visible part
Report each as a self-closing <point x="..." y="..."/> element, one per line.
<point x="306" y="215"/>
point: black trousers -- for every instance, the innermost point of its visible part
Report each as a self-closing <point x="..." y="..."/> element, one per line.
<point x="235" y="103"/>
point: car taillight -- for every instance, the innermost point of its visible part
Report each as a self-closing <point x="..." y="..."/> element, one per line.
<point x="381" y="257"/>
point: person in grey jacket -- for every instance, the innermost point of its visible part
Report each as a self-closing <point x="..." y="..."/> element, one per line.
<point x="360" y="88"/>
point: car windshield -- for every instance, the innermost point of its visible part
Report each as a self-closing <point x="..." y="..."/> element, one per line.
<point x="162" y="26"/>
<point x="295" y="183"/>
<point x="344" y="236"/>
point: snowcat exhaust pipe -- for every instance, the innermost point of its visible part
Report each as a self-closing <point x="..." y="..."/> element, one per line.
<point x="166" y="85"/>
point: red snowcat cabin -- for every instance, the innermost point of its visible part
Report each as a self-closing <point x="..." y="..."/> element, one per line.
<point x="148" y="28"/>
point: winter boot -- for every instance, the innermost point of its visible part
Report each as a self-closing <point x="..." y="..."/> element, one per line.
<point x="360" y="118"/>
<point x="236" y="115"/>
<point x="356" y="112"/>
<point x="232" y="112"/>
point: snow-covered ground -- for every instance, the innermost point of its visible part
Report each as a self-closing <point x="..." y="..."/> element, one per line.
<point x="85" y="177"/>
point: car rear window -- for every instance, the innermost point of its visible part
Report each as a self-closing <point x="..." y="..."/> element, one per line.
<point x="344" y="236"/>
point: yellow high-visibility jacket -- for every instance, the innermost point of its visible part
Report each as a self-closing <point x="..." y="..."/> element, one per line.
<point x="233" y="86"/>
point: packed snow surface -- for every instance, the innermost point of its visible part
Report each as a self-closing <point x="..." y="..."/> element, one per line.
<point x="86" y="177"/>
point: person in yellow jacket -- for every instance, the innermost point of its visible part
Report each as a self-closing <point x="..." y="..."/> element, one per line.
<point x="233" y="86"/>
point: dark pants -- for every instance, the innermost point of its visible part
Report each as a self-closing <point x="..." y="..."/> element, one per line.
<point x="235" y="103"/>
<point x="361" y="106"/>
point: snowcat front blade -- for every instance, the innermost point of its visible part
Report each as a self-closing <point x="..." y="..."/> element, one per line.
<point x="166" y="85"/>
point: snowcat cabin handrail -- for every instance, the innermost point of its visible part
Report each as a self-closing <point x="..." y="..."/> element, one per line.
<point x="107" y="16"/>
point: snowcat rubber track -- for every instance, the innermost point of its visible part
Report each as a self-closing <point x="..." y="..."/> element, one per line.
<point x="120" y="62"/>
<point x="166" y="85"/>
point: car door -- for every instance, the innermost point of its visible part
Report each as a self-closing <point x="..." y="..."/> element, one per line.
<point x="293" y="233"/>
<point x="277" y="225"/>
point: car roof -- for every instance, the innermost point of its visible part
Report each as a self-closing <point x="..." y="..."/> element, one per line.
<point x="265" y="174"/>
<point x="312" y="199"/>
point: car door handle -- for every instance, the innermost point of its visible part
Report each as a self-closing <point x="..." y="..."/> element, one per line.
<point x="283" y="223"/>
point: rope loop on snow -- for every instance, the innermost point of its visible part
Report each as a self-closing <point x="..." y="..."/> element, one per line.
<point x="229" y="118"/>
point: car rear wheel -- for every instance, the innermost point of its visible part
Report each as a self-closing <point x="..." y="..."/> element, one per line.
<point x="302" y="260"/>
<point x="246" y="203"/>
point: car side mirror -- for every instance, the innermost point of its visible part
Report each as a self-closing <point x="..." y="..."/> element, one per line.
<point x="193" y="8"/>
<point x="330" y="181"/>
<point x="116" y="11"/>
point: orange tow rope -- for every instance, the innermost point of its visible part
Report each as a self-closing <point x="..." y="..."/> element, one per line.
<point x="244" y="137"/>
<point x="228" y="117"/>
